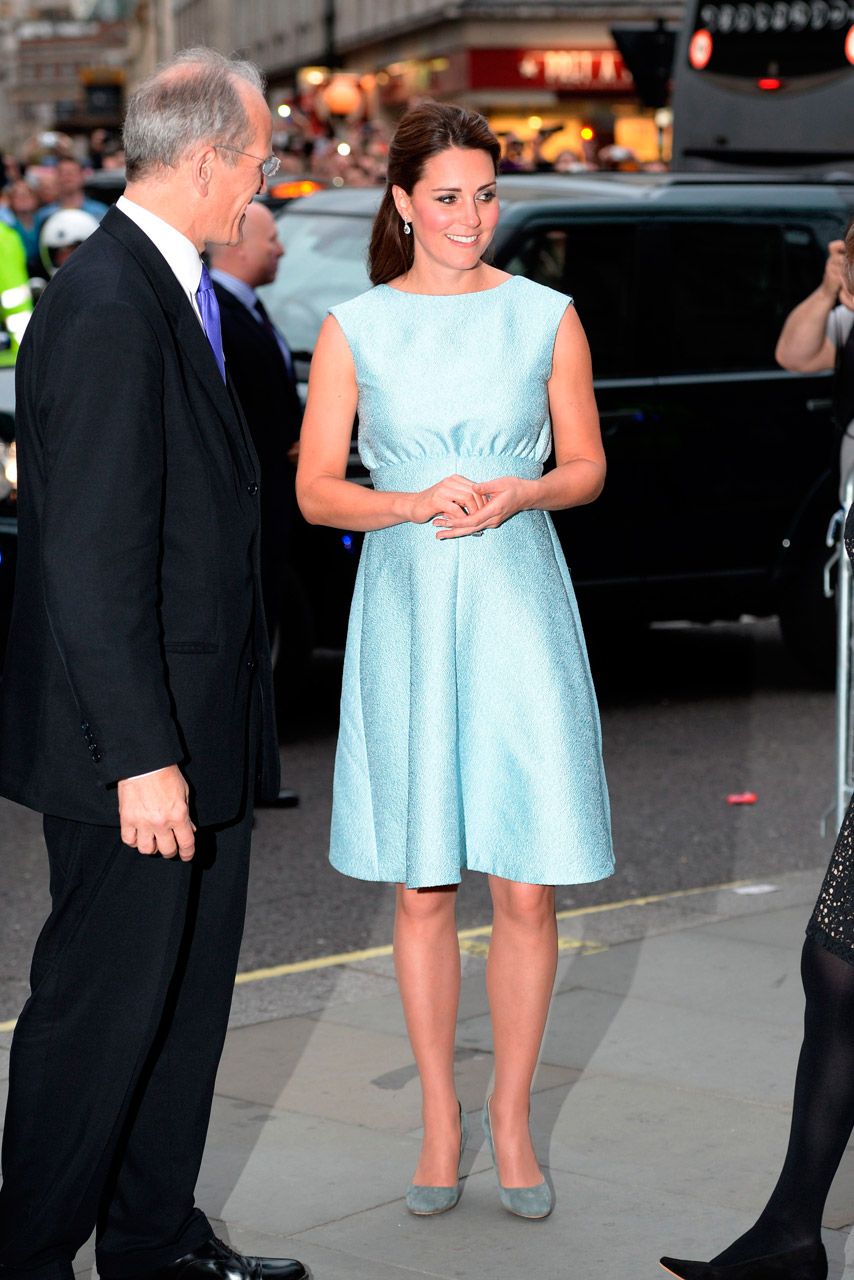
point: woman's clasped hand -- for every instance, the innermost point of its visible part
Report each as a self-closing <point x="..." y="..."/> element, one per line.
<point x="486" y="506"/>
<point x="454" y="493"/>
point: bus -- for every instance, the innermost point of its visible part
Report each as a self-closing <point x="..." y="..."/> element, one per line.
<point x="765" y="84"/>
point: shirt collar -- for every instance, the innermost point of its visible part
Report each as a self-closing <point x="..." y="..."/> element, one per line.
<point x="180" y="253"/>
<point x="239" y="288"/>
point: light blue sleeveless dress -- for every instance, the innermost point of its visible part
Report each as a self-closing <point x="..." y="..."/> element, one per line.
<point x="469" y="731"/>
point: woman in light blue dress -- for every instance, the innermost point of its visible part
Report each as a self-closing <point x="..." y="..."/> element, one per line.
<point x="469" y="729"/>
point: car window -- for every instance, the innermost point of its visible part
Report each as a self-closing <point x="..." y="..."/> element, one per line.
<point x="728" y="289"/>
<point x="324" y="263"/>
<point x="595" y="264"/>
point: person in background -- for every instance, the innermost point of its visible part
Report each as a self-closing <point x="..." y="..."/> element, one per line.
<point x="22" y="204"/>
<point x="819" y="335"/>
<point x="44" y="181"/>
<point x="261" y="368"/>
<point x="513" y="160"/>
<point x="114" y="154"/>
<point x="70" y="193"/>
<point x="16" y="300"/>
<point x="63" y="232"/>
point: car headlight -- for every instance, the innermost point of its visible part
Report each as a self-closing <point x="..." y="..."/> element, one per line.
<point x="8" y="470"/>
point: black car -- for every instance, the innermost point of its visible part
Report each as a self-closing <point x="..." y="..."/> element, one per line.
<point x="720" y="465"/>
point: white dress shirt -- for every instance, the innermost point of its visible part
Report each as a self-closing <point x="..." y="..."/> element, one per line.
<point x="181" y="254"/>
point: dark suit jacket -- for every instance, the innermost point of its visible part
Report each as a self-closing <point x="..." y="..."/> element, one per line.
<point x="137" y="637"/>
<point x="273" y="411"/>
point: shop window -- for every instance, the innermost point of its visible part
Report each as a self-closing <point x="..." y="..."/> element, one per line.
<point x="730" y="287"/>
<point x="595" y="264"/>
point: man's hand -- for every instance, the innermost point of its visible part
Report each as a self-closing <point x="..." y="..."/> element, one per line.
<point x="836" y="284"/>
<point x="154" y="814"/>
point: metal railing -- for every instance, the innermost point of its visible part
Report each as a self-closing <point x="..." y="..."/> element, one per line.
<point x="844" y="666"/>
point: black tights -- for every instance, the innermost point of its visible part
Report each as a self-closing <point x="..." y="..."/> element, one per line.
<point x="822" y="1113"/>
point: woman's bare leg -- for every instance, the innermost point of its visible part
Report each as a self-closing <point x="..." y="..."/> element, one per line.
<point x="427" y="963"/>
<point x="520" y="975"/>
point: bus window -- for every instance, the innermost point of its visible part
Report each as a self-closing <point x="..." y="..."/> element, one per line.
<point x="783" y="41"/>
<point x="765" y="83"/>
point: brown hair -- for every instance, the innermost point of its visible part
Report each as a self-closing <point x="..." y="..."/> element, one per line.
<point x="425" y="131"/>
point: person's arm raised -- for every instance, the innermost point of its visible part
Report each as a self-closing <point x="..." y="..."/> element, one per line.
<point x="324" y="494"/>
<point x="803" y="345"/>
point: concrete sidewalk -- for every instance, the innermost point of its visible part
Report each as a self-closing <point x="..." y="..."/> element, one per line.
<point x="661" y="1105"/>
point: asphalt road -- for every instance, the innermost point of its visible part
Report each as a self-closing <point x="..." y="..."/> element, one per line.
<point x="690" y="715"/>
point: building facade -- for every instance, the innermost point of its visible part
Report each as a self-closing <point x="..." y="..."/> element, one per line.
<point x="64" y="68"/>
<point x="528" y="65"/>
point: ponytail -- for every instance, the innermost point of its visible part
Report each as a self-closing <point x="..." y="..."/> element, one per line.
<point x="390" y="254"/>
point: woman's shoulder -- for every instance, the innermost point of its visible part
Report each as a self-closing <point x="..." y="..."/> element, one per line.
<point x="364" y="304"/>
<point x="542" y="296"/>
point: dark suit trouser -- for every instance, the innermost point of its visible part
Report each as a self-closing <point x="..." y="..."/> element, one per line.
<point x="115" y="1054"/>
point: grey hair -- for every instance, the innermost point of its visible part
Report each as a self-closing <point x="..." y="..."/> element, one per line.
<point x="192" y="98"/>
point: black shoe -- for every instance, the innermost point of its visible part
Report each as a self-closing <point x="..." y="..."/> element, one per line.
<point x="215" y="1260"/>
<point x="808" y="1262"/>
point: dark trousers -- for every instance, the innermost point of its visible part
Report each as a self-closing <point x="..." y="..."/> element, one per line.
<point x="115" y="1054"/>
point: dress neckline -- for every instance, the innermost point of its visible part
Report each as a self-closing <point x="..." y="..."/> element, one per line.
<point x="469" y="293"/>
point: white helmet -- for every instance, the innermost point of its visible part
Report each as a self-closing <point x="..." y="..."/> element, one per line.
<point x="62" y="232"/>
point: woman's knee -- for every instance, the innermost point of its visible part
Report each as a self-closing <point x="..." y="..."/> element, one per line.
<point x="528" y="905"/>
<point x="427" y="906"/>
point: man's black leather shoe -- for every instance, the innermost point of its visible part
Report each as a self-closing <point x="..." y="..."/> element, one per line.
<point x="215" y="1260"/>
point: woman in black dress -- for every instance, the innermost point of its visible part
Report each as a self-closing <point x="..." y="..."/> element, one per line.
<point x="785" y="1241"/>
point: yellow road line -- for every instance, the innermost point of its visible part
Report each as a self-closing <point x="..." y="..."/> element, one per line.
<point x="482" y="931"/>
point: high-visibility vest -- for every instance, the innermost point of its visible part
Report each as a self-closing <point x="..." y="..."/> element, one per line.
<point x="16" y="300"/>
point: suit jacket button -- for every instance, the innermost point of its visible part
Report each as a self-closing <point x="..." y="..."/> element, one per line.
<point x="250" y="662"/>
<point x="252" y="488"/>
<point x="97" y="757"/>
<point x="84" y="728"/>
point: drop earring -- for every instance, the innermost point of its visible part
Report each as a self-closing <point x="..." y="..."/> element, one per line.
<point x="407" y="228"/>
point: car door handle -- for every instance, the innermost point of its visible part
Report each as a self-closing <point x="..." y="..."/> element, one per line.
<point x="819" y="406"/>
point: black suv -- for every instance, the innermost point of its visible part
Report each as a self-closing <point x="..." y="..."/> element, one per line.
<point x="720" y="465"/>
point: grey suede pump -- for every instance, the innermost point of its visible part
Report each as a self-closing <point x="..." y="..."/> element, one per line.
<point x="425" y="1201"/>
<point x="525" y="1202"/>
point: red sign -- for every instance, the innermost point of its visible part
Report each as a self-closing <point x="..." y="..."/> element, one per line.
<point x="579" y="71"/>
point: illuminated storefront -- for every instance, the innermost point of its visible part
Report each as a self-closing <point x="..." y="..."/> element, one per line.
<point x="582" y="97"/>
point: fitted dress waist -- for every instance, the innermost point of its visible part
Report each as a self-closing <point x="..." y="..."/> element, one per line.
<point x="414" y="474"/>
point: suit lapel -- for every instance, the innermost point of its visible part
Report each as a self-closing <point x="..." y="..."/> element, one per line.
<point x="254" y="331"/>
<point x="188" y="331"/>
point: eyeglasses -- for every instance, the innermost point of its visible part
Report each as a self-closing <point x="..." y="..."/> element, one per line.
<point x="269" y="167"/>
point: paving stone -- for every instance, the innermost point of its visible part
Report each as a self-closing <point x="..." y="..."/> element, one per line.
<point x="693" y="969"/>
<point x="600" y="1032"/>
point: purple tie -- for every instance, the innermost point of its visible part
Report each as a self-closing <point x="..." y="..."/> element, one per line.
<point x="209" y="310"/>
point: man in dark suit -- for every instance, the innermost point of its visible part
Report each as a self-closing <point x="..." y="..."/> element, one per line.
<point x="136" y="708"/>
<point x="261" y="368"/>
